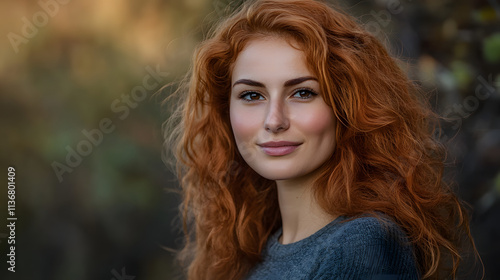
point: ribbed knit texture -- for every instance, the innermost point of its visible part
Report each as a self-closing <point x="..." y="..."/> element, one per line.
<point x="364" y="248"/>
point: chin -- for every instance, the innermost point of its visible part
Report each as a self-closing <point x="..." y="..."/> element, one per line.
<point x="277" y="175"/>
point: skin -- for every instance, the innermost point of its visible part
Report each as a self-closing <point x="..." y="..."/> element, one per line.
<point x="263" y="108"/>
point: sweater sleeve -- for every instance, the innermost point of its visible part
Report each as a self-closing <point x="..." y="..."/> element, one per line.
<point x="369" y="249"/>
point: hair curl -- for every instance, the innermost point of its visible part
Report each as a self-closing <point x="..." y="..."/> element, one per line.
<point x="385" y="160"/>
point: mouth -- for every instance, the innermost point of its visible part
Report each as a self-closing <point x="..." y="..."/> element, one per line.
<point x="279" y="148"/>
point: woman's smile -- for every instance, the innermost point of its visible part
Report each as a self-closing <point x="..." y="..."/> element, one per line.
<point x="279" y="148"/>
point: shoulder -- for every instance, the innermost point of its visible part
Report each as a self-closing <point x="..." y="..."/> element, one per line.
<point x="365" y="247"/>
<point x="368" y="230"/>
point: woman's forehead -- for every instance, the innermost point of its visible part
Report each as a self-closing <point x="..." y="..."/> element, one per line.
<point x="270" y="56"/>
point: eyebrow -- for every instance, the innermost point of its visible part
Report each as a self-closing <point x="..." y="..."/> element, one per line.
<point x="288" y="83"/>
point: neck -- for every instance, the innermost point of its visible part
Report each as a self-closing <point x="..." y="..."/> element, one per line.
<point x="300" y="213"/>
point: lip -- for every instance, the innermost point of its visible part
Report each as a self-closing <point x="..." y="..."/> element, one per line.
<point x="279" y="148"/>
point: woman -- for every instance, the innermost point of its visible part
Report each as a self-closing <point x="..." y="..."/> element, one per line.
<point x="304" y="152"/>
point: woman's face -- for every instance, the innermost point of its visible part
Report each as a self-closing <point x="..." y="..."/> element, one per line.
<point x="282" y="126"/>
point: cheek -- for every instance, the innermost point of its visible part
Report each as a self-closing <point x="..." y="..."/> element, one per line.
<point x="320" y="121"/>
<point x="244" y="124"/>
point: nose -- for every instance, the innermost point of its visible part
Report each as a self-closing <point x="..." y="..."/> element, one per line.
<point x="277" y="117"/>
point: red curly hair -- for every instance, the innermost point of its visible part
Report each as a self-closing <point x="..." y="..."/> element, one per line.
<point x="385" y="161"/>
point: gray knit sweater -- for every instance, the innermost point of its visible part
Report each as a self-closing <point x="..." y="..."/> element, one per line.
<point x="364" y="248"/>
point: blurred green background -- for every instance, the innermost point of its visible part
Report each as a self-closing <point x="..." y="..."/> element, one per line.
<point x="81" y="119"/>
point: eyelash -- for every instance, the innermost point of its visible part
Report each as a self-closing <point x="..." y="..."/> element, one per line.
<point x="245" y="93"/>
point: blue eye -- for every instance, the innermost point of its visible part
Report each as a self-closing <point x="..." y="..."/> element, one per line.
<point x="304" y="94"/>
<point x="251" y="96"/>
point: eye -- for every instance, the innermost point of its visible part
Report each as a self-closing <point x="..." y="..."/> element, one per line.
<point x="250" y="96"/>
<point x="304" y="94"/>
